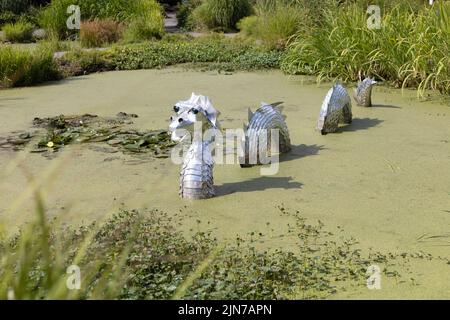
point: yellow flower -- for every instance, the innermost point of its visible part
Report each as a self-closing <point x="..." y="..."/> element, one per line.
<point x="50" y="144"/>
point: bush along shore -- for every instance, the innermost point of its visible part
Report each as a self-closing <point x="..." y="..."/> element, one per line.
<point x="19" y="67"/>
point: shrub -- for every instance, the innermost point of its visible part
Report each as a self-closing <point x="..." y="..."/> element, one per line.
<point x="184" y="14"/>
<point x="221" y="14"/>
<point x="97" y="33"/>
<point x="146" y="27"/>
<point x="250" y="26"/>
<point x="54" y="17"/>
<point x="211" y="53"/>
<point x="80" y="62"/>
<point x="258" y="60"/>
<point x="24" y="68"/>
<point x="18" y="32"/>
<point x="159" y="54"/>
<point x="277" y="27"/>
<point x="275" y="22"/>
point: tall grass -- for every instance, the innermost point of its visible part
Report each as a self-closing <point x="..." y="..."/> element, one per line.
<point x="275" y="22"/>
<point x="410" y="49"/>
<point x="184" y="14"/>
<point x="20" y="67"/>
<point x="18" y="32"/>
<point x="221" y="14"/>
<point x="149" y="25"/>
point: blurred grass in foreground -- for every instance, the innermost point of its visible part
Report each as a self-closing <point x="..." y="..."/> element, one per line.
<point x="143" y="256"/>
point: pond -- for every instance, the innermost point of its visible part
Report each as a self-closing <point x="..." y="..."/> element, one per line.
<point x="384" y="179"/>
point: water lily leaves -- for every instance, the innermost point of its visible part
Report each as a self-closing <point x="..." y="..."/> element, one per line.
<point x="132" y="147"/>
<point x="65" y="130"/>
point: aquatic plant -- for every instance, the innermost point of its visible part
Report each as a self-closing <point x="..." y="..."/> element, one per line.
<point x="134" y="255"/>
<point x="78" y="62"/>
<point x="212" y="53"/>
<point x="63" y="130"/>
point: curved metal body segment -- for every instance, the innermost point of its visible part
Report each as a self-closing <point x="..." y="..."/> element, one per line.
<point x="336" y="108"/>
<point x="363" y="93"/>
<point x="196" y="176"/>
<point x="258" y="138"/>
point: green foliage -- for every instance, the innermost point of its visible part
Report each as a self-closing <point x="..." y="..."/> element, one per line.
<point x="18" y="32"/>
<point x="98" y="33"/>
<point x="249" y="26"/>
<point x="410" y="49"/>
<point x="54" y="17"/>
<point x="146" y="27"/>
<point x="19" y="67"/>
<point x="144" y="256"/>
<point x="24" y="68"/>
<point x="184" y="14"/>
<point x="275" y="22"/>
<point x="221" y="14"/>
<point x="80" y="62"/>
<point x="219" y="53"/>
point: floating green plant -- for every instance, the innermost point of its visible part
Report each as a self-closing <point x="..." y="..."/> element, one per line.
<point x="63" y="130"/>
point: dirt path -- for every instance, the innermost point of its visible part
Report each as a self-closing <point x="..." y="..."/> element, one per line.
<point x="171" y="22"/>
<point x="385" y="180"/>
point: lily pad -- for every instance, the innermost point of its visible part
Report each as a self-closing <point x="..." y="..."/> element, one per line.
<point x="61" y="131"/>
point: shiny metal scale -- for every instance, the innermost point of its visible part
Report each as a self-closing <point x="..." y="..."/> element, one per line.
<point x="258" y="137"/>
<point x="336" y="108"/>
<point x="363" y="93"/>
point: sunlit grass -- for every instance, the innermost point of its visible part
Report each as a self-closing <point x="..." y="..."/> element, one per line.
<point x="410" y="50"/>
